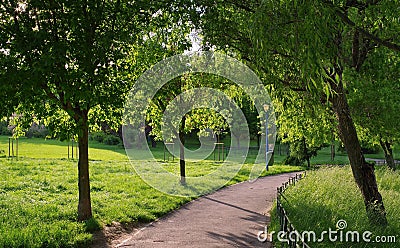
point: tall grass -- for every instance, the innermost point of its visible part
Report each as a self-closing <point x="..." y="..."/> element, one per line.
<point x="330" y="194"/>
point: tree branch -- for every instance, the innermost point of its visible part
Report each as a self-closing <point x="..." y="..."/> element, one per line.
<point x="388" y="44"/>
<point x="245" y="7"/>
<point x="359" y="5"/>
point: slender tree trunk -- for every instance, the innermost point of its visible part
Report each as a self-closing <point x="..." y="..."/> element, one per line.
<point x="182" y="164"/>
<point x="305" y="152"/>
<point x="279" y="148"/>
<point x="333" y="147"/>
<point x="387" y="149"/>
<point x="140" y="136"/>
<point x="288" y="149"/>
<point x="363" y="172"/>
<point x="272" y="160"/>
<point x="84" y="205"/>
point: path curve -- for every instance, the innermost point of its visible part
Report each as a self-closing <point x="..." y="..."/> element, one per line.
<point x="230" y="217"/>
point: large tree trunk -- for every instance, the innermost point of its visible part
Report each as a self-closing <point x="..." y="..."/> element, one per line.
<point x="182" y="151"/>
<point x="387" y="149"/>
<point x="84" y="205"/>
<point x="363" y="172"/>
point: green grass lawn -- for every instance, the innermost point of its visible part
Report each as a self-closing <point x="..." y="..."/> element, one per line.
<point x="39" y="194"/>
<point x="324" y="156"/>
<point x="328" y="195"/>
<point x="55" y="149"/>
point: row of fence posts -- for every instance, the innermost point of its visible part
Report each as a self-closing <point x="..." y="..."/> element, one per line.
<point x="219" y="151"/>
<point x="73" y="144"/>
<point x="285" y="224"/>
<point x="13" y="148"/>
<point x="13" y="151"/>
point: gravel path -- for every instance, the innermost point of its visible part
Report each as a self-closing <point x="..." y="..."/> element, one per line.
<point x="230" y="217"/>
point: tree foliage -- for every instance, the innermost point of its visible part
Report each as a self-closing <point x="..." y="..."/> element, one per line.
<point x="374" y="101"/>
<point x="309" y="46"/>
<point x="304" y="124"/>
<point x="75" y="56"/>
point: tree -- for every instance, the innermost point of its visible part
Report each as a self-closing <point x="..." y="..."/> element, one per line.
<point x="375" y="107"/>
<point x="303" y="123"/>
<point x="72" y="55"/>
<point x="308" y="47"/>
<point x="198" y="118"/>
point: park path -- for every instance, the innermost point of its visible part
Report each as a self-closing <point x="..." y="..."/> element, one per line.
<point x="230" y="217"/>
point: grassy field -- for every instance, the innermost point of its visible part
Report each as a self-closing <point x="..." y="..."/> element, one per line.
<point x="328" y="195"/>
<point x="55" y="149"/>
<point x="38" y="193"/>
<point x="324" y="156"/>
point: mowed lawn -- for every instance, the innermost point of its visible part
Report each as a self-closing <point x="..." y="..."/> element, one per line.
<point x="39" y="194"/>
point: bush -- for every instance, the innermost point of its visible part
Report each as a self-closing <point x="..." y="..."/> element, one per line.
<point x="111" y="140"/>
<point x="37" y="131"/>
<point x="370" y="150"/>
<point x="99" y="136"/>
<point x="104" y="138"/>
<point x="290" y="160"/>
<point x="301" y="152"/>
<point x="4" y="130"/>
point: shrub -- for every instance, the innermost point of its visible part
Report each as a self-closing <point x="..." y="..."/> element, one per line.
<point x="37" y="131"/>
<point x="4" y="130"/>
<point x="111" y="140"/>
<point x="98" y="136"/>
<point x="290" y="160"/>
<point x="104" y="138"/>
<point x="369" y="148"/>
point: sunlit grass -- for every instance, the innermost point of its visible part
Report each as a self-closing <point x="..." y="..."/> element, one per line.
<point x="328" y="195"/>
<point x="55" y="149"/>
<point x="39" y="192"/>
